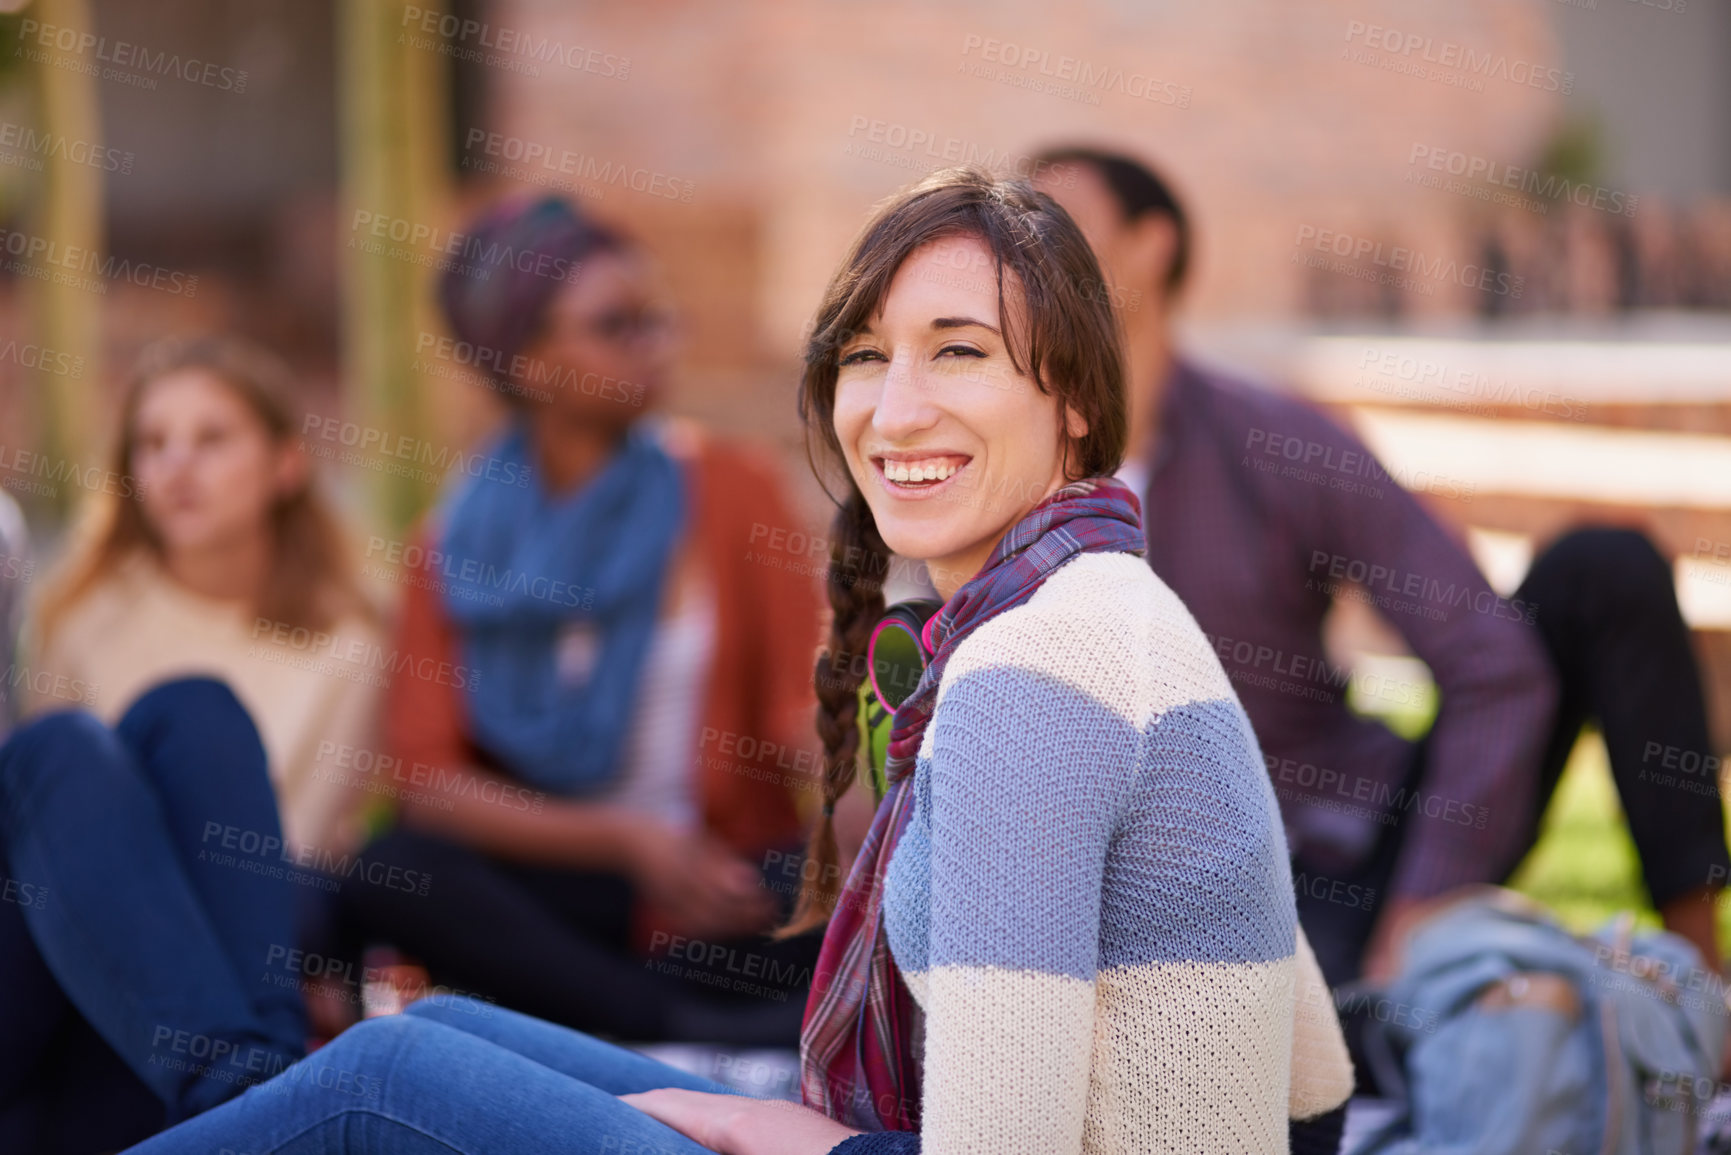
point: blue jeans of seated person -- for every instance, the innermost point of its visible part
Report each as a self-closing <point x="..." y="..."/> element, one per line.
<point x="457" y="1076"/>
<point x="134" y="954"/>
<point x="449" y="1075"/>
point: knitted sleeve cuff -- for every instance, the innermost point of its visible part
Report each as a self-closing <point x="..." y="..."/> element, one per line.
<point x="879" y="1143"/>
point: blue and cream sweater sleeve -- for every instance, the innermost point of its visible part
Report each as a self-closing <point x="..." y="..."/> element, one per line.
<point x="1092" y="904"/>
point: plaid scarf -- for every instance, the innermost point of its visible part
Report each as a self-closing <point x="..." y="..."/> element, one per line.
<point x="856" y="1059"/>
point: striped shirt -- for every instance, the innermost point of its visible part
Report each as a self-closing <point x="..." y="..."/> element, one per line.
<point x="1091" y="904"/>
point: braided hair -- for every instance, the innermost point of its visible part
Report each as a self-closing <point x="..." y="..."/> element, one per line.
<point x="1065" y="338"/>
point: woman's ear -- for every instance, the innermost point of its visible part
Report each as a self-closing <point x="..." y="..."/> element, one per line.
<point x="1075" y="425"/>
<point x="1075" y="428"/>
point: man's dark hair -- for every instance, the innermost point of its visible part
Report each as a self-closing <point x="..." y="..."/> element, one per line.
<point x="1138" y="190"/>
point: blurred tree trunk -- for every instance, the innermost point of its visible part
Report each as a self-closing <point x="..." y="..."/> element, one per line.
<point x="66" y="213"/>
<point x="394" y="102"/>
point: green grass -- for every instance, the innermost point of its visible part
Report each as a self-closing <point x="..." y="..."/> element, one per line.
<point x="1584" y="866"/>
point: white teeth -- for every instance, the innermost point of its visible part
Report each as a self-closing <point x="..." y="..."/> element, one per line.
<point x="909" y="472"/>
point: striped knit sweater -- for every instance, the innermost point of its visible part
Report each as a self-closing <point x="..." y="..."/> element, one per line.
<point x="1092" y="904"/>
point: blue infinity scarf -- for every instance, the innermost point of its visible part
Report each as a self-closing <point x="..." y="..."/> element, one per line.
<point x="555" y="601"/>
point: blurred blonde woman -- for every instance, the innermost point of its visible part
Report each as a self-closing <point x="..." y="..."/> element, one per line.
<point x="226" y="561"/>
<point x="163" y="808"/>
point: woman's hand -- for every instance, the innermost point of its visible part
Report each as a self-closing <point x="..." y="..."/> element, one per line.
<point x="736" y="1125"/>
<point x="704" y="888"/>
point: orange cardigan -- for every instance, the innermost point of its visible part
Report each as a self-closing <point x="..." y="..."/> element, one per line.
<point x="758" y="751"/>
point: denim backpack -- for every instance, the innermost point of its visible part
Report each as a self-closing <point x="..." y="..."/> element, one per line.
<point x="1506" y="1035"/>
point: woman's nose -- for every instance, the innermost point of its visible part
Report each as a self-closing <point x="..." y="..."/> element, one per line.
<point x="906" y="403"/>
<point x="174" y="456"/>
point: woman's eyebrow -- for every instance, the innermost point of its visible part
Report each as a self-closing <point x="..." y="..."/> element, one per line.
<point x="962" y="323"/>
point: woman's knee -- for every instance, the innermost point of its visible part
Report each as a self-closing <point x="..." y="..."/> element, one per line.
<point x="407" y="1049"/>
<point x="371" y="1045"/>
<point x="198" y="721"/>
<point x="62" y="748"/>
<point x="1607" y="559"/>
<point x="458" y="1011"/>
<point x="199" y="701"/>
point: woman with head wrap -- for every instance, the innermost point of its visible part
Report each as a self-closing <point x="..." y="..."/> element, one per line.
<point x="607" y="656"/>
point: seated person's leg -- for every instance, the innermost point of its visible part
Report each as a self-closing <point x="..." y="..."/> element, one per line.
<point x="54" y="1066"/>
<point x="33" y="1012"/>
<point x="551" y="966"/>
<point x="1339" y="903"/>
<point x="1338" y="931"/>
<point x="90" y="1100"/>
<point x="1607" y="610"/>
<point x="198" y="747"/>
<point x="603" y="1065"/>
<point x="478" y="930"/>
<point x="601" y="902"/>
<point x="408" y="1085"/>
<point x="747" y="970"/>
<point x="329" y="969"/>
<point x="122" y="929"/>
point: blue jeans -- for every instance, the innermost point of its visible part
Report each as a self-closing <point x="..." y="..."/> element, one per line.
<point x="120" y="930"/>
<point x="449" y="1075"/>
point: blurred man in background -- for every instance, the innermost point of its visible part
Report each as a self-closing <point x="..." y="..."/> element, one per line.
<point x="1379" y="827"/>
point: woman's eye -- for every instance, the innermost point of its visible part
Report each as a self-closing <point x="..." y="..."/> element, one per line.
<point x="961" y="351"/>
<point x="860" y="356"/>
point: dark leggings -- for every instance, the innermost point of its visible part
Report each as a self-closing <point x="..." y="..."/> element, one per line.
<point x="556" y="944"/>
<point x="133" y="947"/>
<point x="1606" y="609"/>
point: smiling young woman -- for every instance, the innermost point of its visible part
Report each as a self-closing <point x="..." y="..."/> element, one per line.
<point x="1072" y="914"/>
<point x="1070" y="926"/>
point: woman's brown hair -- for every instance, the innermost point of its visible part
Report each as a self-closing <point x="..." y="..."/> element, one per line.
<point x="311" y="580"/>
<point x="1060" y="331"/>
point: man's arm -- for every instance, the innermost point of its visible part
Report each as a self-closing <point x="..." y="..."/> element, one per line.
<point x="1496" y="687"/>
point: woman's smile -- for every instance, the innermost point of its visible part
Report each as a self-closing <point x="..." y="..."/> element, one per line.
<point x="930" y="404"/>
<point x="918" y="475"/>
